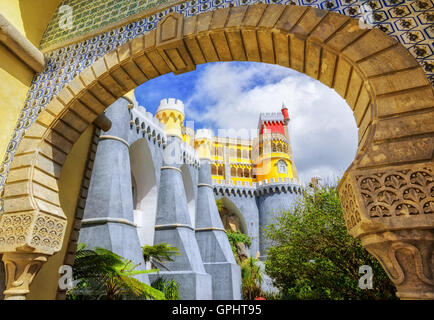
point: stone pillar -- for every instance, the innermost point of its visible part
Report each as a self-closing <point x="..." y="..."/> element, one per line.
<point x="213" y="243"/>
<point x="2" y="279"/>
<point x="391" y="212"/>
<point x="108" y="220"/>
<point x="173" y="226"/>
<point x="20" y="269"/>
<point x="407" y="257"/>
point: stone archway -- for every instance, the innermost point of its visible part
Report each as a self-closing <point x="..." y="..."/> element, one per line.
<point x="146" y="190"/>
<point x="230" y="209"/>
<point x="386" y="193"/>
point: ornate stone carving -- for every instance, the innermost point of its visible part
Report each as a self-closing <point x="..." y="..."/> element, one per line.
<point x="391" y="211"/>
<point x="398" y="193"/>
<point x="349" y="205"/>
<point x="21" y="269"/>
<point x="407" y="257"/>
<point x="41" y="232"/>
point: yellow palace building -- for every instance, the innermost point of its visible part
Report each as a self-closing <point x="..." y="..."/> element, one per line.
<point x="266" y="158"/>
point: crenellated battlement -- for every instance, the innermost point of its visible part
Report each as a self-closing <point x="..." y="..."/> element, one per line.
<point x="271" y="116"/>
<point x="146" y="125"/>
<point x="257" y="188"/>
<point x="171" y="104"/>
<point x="189" y="155"/>
<point x="204" y="134"/>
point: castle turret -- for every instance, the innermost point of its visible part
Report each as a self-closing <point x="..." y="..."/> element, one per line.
<point x="188" y="135"/>
<point x="171" y="114"/>
<point x="274" y="156"/>
<point x="203" y="143"/>
<point x="285" y="114"/>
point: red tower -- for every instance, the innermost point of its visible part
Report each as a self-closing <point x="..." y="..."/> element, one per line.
<point x="274" y="122"/>
<point x="285" y="113"/>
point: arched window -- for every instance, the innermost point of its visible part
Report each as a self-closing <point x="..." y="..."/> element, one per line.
<point x="233" y="172"/>
<point x="240" y="172"/>
<point x="282" y="167"/>
<point x="213" y="170"/>
<point x="221" y="170"/>
<point x="246" y="173"/>
<point x="238" y="153"/>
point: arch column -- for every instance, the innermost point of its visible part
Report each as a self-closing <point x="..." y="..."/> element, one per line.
<point x="392" y="213"/>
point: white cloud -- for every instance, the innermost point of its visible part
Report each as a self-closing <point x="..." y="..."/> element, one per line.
<point x="322" y="128"/>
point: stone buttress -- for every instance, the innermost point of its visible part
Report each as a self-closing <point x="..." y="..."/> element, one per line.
<point x="108" y="220"/>
<point x="213" y="243"/>
<point x="173" y="225"/>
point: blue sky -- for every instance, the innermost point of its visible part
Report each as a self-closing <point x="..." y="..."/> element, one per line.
<point x="230" y="95"/>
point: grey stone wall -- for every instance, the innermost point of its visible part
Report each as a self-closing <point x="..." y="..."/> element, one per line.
<point x="247" y="207"/>
<point x="270" y="205"/>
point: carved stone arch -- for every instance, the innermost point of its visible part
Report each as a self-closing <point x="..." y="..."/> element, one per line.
<point x="381" y="81"/>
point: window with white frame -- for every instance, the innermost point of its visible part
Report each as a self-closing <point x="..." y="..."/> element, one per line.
<point x="282" y="166"/>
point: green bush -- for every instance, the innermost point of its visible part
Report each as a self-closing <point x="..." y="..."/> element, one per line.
<point x="169" y="288"/>
<point x="313" y="257"/>
<point x="238" y="237"/>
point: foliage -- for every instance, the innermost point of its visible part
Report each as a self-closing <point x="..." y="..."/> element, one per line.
<point x="169" y="288"/>
<point x="238" y="237"/>
<point x="102" y="274"/>
<point x="251" y="275"/>
<point x="220" y="204"/>
<point x="313" y="257"/>
<point x="161" y="252"/>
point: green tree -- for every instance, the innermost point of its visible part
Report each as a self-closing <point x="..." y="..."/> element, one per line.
<point x="313" y="257"/>
<point x="251" y="275"/>
<point x="161" y="252"/>
<point x="102" y="274"/>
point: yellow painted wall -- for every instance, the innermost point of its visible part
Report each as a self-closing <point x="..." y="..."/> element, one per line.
<point x="31" y="17"/>
<point x="267" y="167"/>
<point x="44" y="286"/>
<point x="266" y="164"/>
<point x="173" y="121"/>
